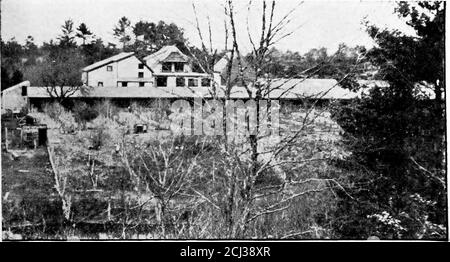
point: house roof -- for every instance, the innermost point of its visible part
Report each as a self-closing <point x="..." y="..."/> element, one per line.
<point x="221" y="68"/>
<point x="164" y="53"/>
<point x="15" y="87"/>
<point x="139" y="92"/>
<point x="175" y="57"/>
<point x="220" y="65"/>
<point x="106" y="61"/>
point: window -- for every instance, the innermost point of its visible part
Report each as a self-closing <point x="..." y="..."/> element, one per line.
<point x="29" y="136"/>
<point x="109" y="68"/>
<point x="124" y="84"/>
<point x="141" y="74"/>
<point x="167" y="67"/>
<point x="179" y="67"/>
<point x="161" y="81"/>
<point x="206" y="82"/>
<point x="141" y="66"/>
<point x="192" y="82"/>
<point x="100" y="84"/>
<point x="24" y="90"/>
<point x="141" y="83"/>
<point x="180" y="81"/>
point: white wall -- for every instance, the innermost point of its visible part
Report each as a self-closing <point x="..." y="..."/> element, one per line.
<point x="126" y="68"/>
<point x="136" y="84"/>
<point x="12" y="97"/>
<point x="130" y="67"/>
<point x="109" y="78"/>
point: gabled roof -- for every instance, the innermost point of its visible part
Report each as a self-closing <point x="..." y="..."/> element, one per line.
<point x="109" y="60"/>
<point x="175" y="57"/>
<point x="16" y="86"/>
<point x="164" y="53"/>
<point x="220" y="65"/>
<point x="221" y="68"/>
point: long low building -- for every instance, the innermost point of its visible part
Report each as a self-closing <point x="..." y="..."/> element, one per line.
<point x="168" y="74"/>
<point x="23" y="94"/>
<point x="278" y="89"/>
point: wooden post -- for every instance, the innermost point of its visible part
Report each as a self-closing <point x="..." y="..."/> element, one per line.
<point x="109" y="210"/>
<point x="6" y="139"/>
<point x="21" y="137"/>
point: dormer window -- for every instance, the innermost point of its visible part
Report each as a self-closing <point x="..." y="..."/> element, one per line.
<point x="167" y="67"/>
<point x="179" y="67"/>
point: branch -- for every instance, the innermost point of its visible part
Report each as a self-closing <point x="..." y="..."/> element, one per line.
<point x="430" y="174"/>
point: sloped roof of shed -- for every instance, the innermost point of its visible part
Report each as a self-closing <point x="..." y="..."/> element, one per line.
<point x="111" y="59"/>
<point x="308" y="88"/>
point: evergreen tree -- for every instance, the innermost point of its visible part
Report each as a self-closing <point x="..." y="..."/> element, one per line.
<point x="83" y="32"/>
<point x="396" y="136"/>
<point x="122" y="31"/>
<point x="67" y="38"/>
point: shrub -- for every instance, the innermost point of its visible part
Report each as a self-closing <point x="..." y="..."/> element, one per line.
<point x="68" y="123"/>
<point x="106" y="108"/>
<point x="54" y="110"/>
<point x="59" y="117"/>
<point x="127" y="120"/>
<point x="84" y="113"/>
<point x="43" y="118"/>
<point x="106" y="131"/>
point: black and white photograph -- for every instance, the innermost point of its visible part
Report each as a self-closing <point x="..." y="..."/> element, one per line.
<point x="230" y="120"/>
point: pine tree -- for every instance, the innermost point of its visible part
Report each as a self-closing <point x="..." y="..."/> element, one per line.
<point x="83" y="32"/>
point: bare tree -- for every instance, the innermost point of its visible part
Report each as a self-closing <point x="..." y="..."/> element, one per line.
<point x="61" y="74"/>
<point x="162" y="172"/>
<point x="60" y="180"/>
<point x="245" y="200"/>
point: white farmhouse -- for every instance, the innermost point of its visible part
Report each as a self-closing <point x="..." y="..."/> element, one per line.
<point x="121" y="70"/>
<point x="172" y="68"/>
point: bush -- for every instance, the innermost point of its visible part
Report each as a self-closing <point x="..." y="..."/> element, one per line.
<point x="153" y="113"/>
<point x="106" y="109"/>
<point x="54" y="110"/>
<point x="106" y="131"/>
<point x="127" y="120"/>
<point x="59" y="117"/>
<point x="84" y="113"/>
<point x="43" y="118"/>
<point x="68" y="123"/>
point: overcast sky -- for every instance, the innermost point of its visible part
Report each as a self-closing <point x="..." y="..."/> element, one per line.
<point x="315" y="24"/>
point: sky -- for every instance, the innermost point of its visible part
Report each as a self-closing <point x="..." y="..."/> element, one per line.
<point x="314" y="23"/>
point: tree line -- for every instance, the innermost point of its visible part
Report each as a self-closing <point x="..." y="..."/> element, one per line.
<point x="59" y="61"/>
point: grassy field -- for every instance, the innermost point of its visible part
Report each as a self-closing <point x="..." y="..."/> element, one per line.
<point x="116" y="207"/>
<point x="29" y="201"/>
